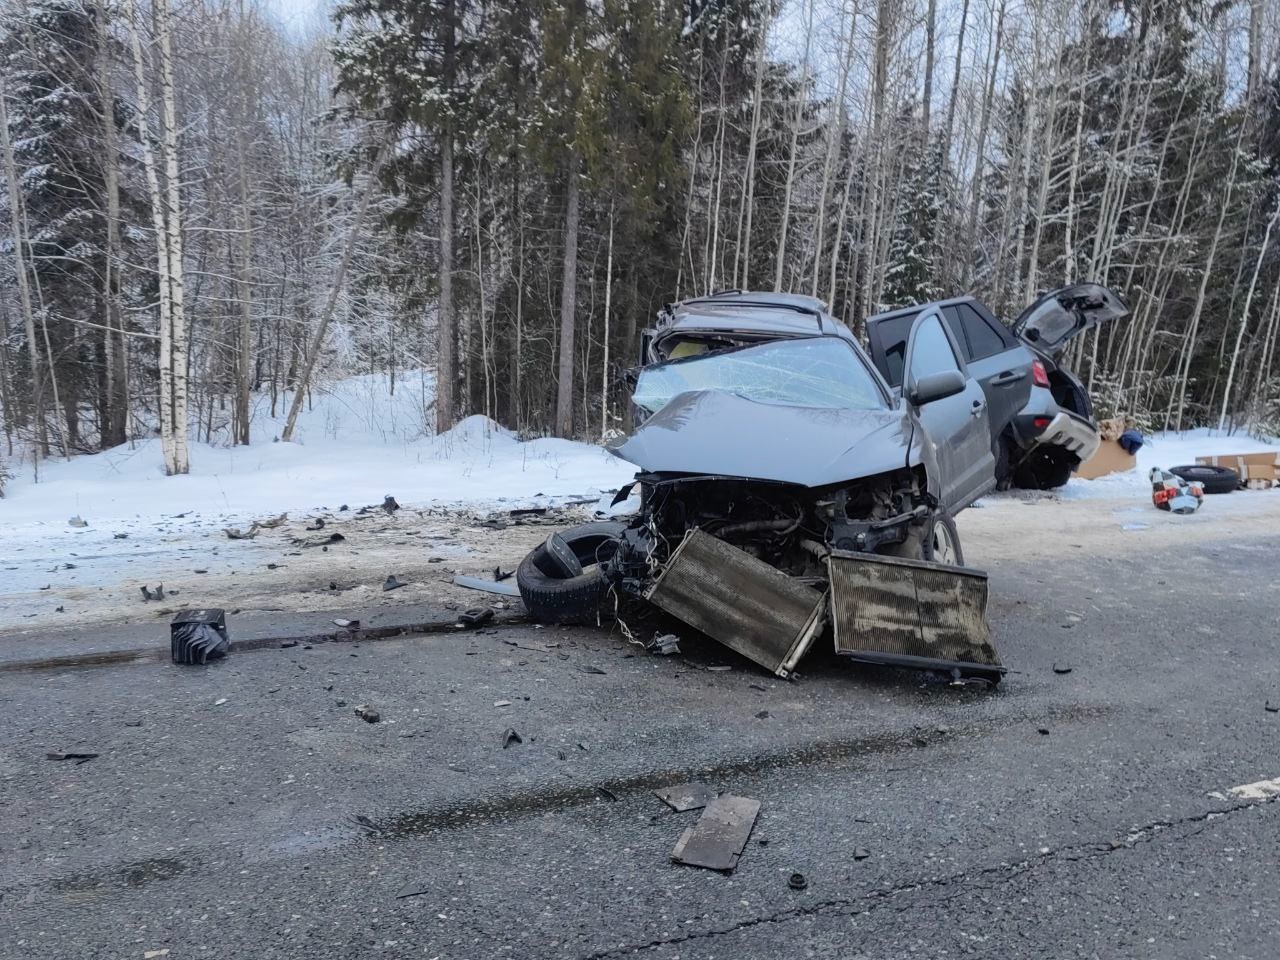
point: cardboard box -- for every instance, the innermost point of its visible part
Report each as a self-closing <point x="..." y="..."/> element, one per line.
<point x="1110" y="458"/>
<point x="1250" y="466"/>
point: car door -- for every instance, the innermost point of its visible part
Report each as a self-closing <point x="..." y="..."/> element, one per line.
<point x="957" y="425"/>
<point x="996" y="359"/>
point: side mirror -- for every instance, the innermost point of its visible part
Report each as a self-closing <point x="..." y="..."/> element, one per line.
<point x="937" y="386"/>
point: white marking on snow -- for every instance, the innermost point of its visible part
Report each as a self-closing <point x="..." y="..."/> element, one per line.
<point x="1262" y="790"/>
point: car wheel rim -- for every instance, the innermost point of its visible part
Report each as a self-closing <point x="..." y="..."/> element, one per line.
<point x="944" y="549"/>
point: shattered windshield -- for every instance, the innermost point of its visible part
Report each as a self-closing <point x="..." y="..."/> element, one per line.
<point x="814" y="372"/>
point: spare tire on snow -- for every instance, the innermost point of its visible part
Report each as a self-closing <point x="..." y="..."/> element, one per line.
<point x="1214" y="479"/>
<point x="551" y="597"/>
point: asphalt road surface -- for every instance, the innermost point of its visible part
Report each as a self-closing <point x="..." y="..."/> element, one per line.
<point x="243" y="810"/>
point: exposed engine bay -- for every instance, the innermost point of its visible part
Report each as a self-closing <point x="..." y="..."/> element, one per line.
<point x="791" y="528"/>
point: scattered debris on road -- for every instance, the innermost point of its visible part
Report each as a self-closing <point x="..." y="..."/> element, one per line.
<point x="389" y="505"/>
<point x="1062" y="668"/>
<point x="393" y="583"/>
<point x="861" y="853"/>
<point x="1271" y="707"/>
<point x="665" y="645"/>
<point x="78" y="521"/>
<point x="198" y="636"/>
<point x="686" y="796"/>
<point x="347" y="624"/>
<point x="797" y="881"/>
<point x="411" y="890"/>
<point x="367" y="713"/>
<point x="149" y="595"/>
<point x="716" y="841"/>
<point x="509" y="736"/>
<point x="1174" y="494"/>
<point x="78" y="757"/>
<point x="475" y="617"/>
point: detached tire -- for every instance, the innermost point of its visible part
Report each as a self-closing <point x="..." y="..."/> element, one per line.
<point x="1214" y="479"/>
<point x="550" y="598"/>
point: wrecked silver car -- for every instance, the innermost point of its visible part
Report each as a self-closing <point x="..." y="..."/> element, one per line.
<point x="785" y="492"/>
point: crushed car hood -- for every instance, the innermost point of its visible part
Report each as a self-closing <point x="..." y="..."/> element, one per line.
<point x="713" y="432"/>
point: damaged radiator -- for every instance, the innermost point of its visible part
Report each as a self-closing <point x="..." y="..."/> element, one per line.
<point x="911" y="613"/>
<point x="740" y="601"/>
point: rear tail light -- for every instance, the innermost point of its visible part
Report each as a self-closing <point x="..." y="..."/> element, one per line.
<point x="1040" y="422"/>
<point x="1039" y="375"/>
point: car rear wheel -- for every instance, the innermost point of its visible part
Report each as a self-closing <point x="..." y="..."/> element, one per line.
<point x="552" y="597"/>
<point x="1213" y="479"/>
<point x="1045" y="468"/>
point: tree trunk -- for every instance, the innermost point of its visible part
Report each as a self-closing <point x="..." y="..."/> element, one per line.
<point x="114" y="418"/>
<point x="568" y="301"/>
<point x="447" y="348"/>
<point x="926" y="101"/>
<point x="178" y="461"/>
<point x="608" y="300"/>
<point x="40" y="436"/>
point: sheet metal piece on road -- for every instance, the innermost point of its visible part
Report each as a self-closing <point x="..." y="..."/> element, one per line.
<point x="717" y="839"/>
<point x="505" y="588"/>
<point x="686" y="796"/>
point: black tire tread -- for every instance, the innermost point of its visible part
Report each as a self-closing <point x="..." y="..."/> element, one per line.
<point x="1214" y="479"/>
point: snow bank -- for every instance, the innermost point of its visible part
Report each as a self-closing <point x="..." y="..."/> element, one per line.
<point x="1162" y="450"/>
<point x="356" y="445"/>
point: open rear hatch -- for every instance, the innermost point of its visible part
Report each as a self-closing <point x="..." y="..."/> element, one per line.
<point x="1056" y="317"/>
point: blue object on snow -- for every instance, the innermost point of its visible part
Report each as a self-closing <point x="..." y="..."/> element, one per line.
<point x="1132" y="441"/>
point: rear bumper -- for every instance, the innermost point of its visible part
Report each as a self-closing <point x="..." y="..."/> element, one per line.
<point x="1073" y="434"/>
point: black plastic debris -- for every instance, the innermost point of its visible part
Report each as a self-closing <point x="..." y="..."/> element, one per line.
<point x="686" y="796"/>
<point x="1271" y="707"/>
<point x="156" y="594"/>
<point x="393" y="583"/>
<point x="411" y="890"/>
<point x="499" y="574"/>
<point x="70" y="755"/>
<point x="509" y="736"/>
<point x="1062" y="668"/>
<point x="861" y="853"/>
<point x="797" y="881"/>
<point x="198" y="636"/>
<point x="475" y="616"/>
<point x="389" y="504"/>
<point x="317" y="524"/>
<point x="593" y="670"/>
<point x="367" y="713"/>
<point x="607" y="794"/>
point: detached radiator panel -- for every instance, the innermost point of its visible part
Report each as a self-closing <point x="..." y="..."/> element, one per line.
<point x="740" y="601"/>
<point x="911" y="613"/>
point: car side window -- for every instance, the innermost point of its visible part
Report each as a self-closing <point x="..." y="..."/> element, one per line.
<point x="984" y="341"/>
<point x="931" y="351"/>
<point x="893" y="334"/>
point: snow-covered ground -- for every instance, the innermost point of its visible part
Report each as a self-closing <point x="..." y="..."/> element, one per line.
<point x="357" y="444"/>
